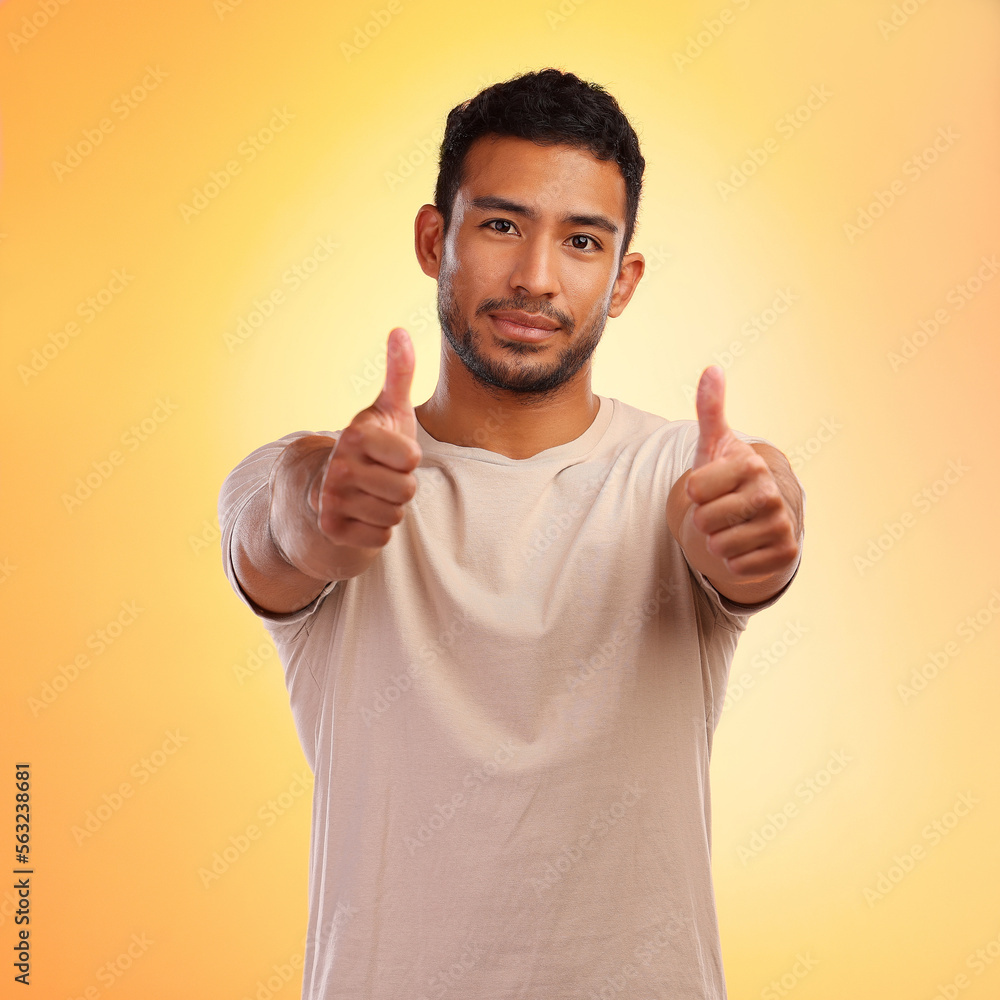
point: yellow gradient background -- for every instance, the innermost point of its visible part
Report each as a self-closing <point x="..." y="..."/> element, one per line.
<point x="353" y="160"/>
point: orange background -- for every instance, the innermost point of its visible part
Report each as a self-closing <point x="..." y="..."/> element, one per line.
<point x="176" y="94"/>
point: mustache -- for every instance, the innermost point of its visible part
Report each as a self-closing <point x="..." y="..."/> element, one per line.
<point x="526" y="305"/>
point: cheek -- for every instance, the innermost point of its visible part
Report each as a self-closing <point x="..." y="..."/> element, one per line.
<point x="462" y="265"/>
<point x="590" y="293"/>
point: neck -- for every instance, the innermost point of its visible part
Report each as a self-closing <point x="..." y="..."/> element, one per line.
<point x="463" y="411"/>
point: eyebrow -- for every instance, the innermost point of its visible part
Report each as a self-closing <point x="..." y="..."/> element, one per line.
<point x="514" y="208"/>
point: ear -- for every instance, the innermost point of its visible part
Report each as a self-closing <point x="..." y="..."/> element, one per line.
<point x="631" y="270"/>
<point x="428" y="239"/>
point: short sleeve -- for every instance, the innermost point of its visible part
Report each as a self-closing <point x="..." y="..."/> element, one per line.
<point x="240" y="486"/>
<point x="733" y="612"/>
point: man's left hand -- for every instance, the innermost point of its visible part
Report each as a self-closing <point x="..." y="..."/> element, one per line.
<point x="738" y="525"/>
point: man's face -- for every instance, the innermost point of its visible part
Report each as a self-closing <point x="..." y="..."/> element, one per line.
<point x="534" y="239"/>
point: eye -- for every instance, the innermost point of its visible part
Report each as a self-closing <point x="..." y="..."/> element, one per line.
<point x="490" y="223"/>
<point x="587" y="249"/>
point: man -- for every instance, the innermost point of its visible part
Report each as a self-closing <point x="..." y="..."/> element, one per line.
<point x="506" y="616"/>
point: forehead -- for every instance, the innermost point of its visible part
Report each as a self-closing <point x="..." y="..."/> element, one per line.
<point x="551" y="179"/>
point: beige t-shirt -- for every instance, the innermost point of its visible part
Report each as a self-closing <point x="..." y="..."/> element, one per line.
<point x="509" y="716"/>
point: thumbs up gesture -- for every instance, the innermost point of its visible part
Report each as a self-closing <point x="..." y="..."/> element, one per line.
<point x="368" y="478"/>
<point x="739" y="525"/>
<point x="331" y="506"/>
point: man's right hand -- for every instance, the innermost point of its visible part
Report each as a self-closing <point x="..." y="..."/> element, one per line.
<point x="332" y="506"/>
<point x="360" y="492"/>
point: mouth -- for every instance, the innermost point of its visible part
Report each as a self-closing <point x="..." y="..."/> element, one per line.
<point x="531" y="327"/>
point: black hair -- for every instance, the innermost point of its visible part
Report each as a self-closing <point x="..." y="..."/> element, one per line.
<point x="547" y="107"/>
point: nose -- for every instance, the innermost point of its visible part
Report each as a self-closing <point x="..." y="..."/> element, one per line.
<point x="536" y="270"/>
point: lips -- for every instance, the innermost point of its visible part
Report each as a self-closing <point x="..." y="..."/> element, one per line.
<point x="523" y="326"/>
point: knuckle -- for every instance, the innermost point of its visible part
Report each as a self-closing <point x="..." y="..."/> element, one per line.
<point x="790" y="550"/>
<point x="767" y="499"/>
<point x="340" y="470"/>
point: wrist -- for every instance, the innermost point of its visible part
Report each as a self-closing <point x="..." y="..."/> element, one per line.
<point x="292" y="522"/>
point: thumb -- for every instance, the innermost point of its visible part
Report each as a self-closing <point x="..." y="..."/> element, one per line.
<point x="712" y="426"/>
<point x="394" y="399"/>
